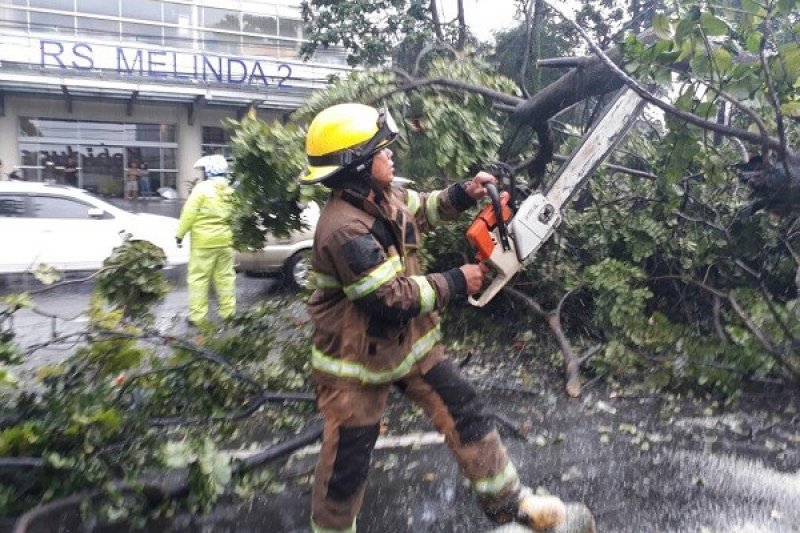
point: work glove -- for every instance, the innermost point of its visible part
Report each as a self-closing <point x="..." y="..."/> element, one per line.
<point x="179" y="242"/>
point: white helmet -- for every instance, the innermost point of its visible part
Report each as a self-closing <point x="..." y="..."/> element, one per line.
<point x="213" y="165"/>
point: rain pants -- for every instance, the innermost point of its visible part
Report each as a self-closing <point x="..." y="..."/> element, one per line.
<point x="206" y="217"/>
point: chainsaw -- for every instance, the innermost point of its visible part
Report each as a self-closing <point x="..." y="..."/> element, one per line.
<point x="506" y="236"/>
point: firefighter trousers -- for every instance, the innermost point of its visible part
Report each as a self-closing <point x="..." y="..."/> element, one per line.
<point x="206" y="266"/>
<point x="352" y="418"/>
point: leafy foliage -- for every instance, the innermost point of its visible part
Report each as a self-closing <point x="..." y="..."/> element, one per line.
<point x="268" y="159"/>
<point x="131" y="279"/>
<point x="368" y="30"/>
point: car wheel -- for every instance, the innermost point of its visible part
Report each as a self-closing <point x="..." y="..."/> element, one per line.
<point x="297" y="270"/>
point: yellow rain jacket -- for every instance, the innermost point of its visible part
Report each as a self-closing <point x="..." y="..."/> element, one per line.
<point x="207" y="213"/>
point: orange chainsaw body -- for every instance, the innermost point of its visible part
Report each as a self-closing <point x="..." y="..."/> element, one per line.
<point x="480" y="232"/>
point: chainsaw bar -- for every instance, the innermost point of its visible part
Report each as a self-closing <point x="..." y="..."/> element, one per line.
<point x="538" y="215"/>
<point x="596" y="145"/>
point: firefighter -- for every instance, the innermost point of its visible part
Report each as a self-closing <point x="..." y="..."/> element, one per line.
<point x="377" y="327"/>
<point x="206" y="217"/>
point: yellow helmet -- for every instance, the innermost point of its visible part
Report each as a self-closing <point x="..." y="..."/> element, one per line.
<point x="343" y="136"/>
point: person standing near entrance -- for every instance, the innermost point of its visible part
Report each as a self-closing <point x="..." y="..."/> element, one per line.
<point x="71" y="172"/>
<point x="206" y="217"/>
<point x="144" y="180"/>
<point x="132" y="181"/>
<point x="376" y="327"/>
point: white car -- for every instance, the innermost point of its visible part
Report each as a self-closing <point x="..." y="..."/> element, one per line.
<point x="288" y="256"/>
<point x="71" y="230"/>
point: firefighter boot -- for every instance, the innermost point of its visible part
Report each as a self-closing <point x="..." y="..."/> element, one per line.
<point x="549" y="514"/>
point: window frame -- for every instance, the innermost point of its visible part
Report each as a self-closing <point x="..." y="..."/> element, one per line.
<point x="25" y="200"/>
<point x="33" y="195"/>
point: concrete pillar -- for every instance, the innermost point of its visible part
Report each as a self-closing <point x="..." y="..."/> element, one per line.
<point x="9" y="145"/>
<point x="190" y="139"/>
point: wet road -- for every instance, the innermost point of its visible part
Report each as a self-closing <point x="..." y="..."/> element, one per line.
<point x="684" y="480"/>
<point x="643" y="463"/>
<point x="70" y="303"/>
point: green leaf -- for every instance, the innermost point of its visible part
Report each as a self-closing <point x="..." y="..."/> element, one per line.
<point x="786" y="6"/>
<point x="684" y="29"/>
<point x="15" y="302"/>
<point x="46" y="274"/>
<point x="751" y="6"/>
<point x="791" y="109"/>
<point x="712" y="25"/>
<point x="753" y="42"/>
<point x="662" y="26"/>
<point x="177" y="454"/>
<point x="722" y="59"/>
<point x="790" y="59"/>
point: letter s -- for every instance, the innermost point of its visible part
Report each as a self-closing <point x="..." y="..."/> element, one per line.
<point x="86" y="56"/>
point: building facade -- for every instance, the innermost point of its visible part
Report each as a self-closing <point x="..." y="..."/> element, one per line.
<point x="90" y="87"/>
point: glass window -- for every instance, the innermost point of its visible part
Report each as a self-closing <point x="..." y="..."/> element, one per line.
<point x="102" y="169"/>
<point x="12" y="205"/>
<point x="97" y="27"/>
<point x="146" y="132"/>
<point x="100" y="7"/>
<point x="29" y="154"/>
<point x="170" y="161"/>
<point x="264" y="24"/>
<point x="38" y="127"/>
<point x="151" y="156"/>
<point x="221" y="19"/>
<point x="291" y="28"/>
<point x="109" y="132"/>
<point x="168" y="133"/>
<point x="220" y="42"/>
<point x="215" y="135"/>
<point x="64" y="5"/>
<point x="259" y="46"/>
<point x="142" y="10"/>
<point x="177" y="14"/>
<point x="102" y="151"/>
<point x="168" y="179"/>
<point x="47" y="22"/>
<point x="58" y="207"/>
<point x="16" y="17"/>
<point x="215" y="141"/>
<point x="143" y="33"/>
<point x="181" y="15"/>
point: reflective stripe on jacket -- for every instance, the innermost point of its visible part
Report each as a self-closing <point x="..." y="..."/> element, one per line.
<point x="375" y="314"/>
<point x="207" y="214"/>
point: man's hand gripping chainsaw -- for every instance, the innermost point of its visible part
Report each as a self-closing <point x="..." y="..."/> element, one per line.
<point x="505" y="237"/>
<point x="503" y="251"/>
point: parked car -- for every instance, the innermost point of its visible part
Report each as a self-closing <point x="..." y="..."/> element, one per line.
<point x="288" y="257"/>
<point x="70" y="229"/>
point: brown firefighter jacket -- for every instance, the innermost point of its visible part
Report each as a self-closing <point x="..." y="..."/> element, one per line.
<point x="375" y="314"/>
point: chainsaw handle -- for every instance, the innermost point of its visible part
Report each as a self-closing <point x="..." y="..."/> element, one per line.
<point x="494" y="196"/>
<point x="497" y="284"/>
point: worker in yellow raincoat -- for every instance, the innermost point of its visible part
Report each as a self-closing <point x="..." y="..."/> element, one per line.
<point x="206" y="217"/>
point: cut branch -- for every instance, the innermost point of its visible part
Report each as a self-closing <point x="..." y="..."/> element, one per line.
<point x="572" y="362"/>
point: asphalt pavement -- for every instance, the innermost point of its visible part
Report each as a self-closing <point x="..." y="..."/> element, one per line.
<point x="644" y="463"/>
<point x="68" y="306"/>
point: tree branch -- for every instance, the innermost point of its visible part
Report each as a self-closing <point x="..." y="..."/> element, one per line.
<point x="437" y="23"/>
<point x="572" y="362"/>
<point x="792" y="366"/>
<point x="690" y="118"/>
<point x="773" y="94"/>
